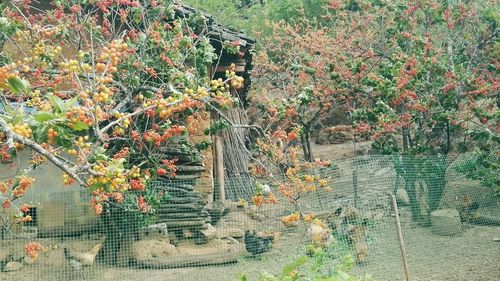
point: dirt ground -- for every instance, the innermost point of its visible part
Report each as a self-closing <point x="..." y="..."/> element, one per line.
<point x="472" y="255"/>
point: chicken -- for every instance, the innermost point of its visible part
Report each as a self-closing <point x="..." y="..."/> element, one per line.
<point x="83" y="259"/>
<point x="468" y="209"/>
<point x="361" y="249"/>
<point x="257" y="245"/>
<point x="320" y="236"/>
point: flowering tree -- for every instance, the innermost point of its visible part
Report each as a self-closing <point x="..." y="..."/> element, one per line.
<point x="95" y="88"/>
<point x="435" y="91"/>
<point x="425" y="88"/>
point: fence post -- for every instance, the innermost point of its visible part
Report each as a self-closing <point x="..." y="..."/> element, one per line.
<point x="400" y="236"/>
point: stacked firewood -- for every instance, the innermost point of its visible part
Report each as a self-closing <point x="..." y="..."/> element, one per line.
<point x="184" y="208"/>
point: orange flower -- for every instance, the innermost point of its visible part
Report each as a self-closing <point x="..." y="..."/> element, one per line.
<point x="142" y="205"/>
<point x="309" y="217"/>
<point x="26" y="219"/>
<point x="3" y="187"/>
<point x="271" y="199"/>
<point x="290" y="219"/>
<point x="322" y="182"/>
<point x="118" y="197"/>
<point x="6" y="204"/>
<point x="98" y="209"/>
<point x="25" y="208"/>
<point x="136" y="184"/>
<point x="258" y="200"/>
<point x="24" y="183"/>
<point x="308" y="178"/>
<point x="319" y="223"/>
<point x="32" y="249"/>
<point x="292" y="136"/>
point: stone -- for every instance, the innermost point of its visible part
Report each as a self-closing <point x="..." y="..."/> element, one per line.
<point x="28" y="260"/>
<point x="231" y="240"/>
<point x="446" y="222"/>
<point x="402" y="197"/>
<point x="154" y="231"/>
<point x="186" y="233"/>
<point x="230" y="231"/>
<point x="12" y="266"/>
<point x="147" y="250"/>
<point x="209" y="232"/>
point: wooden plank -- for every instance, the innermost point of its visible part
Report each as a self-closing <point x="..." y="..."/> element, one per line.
<point x="226" y="257"/>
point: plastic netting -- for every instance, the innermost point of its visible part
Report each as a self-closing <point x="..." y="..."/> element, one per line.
<point x="189" y="237"/>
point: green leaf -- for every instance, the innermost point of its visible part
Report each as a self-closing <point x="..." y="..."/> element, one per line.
<point x="101" y="157"/>
<point x="70" y="103"/>
<point x="41" y="117"/>
<point x="17" y="85"/>
<point x="80" y="126"/>
<point x="292" y="266"/>
<point x="57" y="103"/>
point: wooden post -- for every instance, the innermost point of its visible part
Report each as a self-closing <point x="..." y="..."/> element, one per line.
<point x="400" y="236"/>
<point x="219" y="190"/>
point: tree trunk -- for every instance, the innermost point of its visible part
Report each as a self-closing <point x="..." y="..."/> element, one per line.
<point x="410" y="178"/>
<point x="435" y="179"/>
<point x="306" y="145"/>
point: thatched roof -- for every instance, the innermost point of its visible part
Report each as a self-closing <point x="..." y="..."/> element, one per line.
<point x="219" y="35"/>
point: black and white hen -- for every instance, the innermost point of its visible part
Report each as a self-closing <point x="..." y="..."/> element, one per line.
<point x="257" y="245"/>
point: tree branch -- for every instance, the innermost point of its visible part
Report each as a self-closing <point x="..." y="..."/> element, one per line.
<point x="12" y="136"/>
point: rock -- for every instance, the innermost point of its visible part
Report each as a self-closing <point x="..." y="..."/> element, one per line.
<point x="402" y="197"/>
<point x="146" y="250"/>
<point x="154" y="231"/>
<point x="186" y="233"/>
<point x="231" y="240"/>
<point x="209" y="232"/>
<point x="28" y="260"/>
<point x="446" y="222"/>
<point x="234" y="232"/>
<point x="13" y="266"/>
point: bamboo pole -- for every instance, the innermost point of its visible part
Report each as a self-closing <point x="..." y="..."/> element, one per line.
<point x="400" y="236"/>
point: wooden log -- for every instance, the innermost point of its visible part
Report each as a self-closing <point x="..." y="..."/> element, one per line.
<point x="226" y="257"/>
<point x="178" y="192"/>
<point x="183" y="216"/>
<point x="184" y="186"/>
<point x="182" y="224"/>
<point x="182" y="177"/>
<point x="183" y="200"/>
<point x="171" y="208"/>
<point x="181" y="169"/>
<point x="219" y="194"/>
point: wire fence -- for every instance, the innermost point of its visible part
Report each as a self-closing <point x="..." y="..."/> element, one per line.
<point x="191" y="238"/>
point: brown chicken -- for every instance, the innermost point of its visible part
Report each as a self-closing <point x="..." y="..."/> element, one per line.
<point x="468" y="209"/>
<point x="84" y="259"/>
